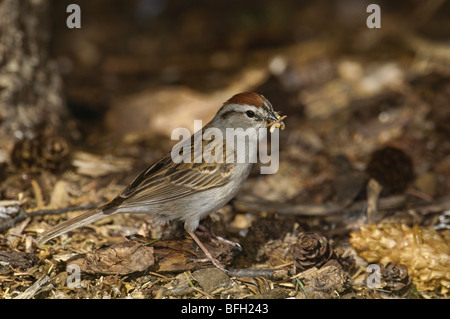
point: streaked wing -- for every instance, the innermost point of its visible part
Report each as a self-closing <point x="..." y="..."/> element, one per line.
<point x="166" y="181"/>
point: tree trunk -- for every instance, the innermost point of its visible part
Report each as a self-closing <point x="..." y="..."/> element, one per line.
<point x="30" y="84"/>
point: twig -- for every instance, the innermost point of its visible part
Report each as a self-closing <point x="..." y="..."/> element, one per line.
<point x="255" y="204"/>
<point x="266" y="273"/>
<point x="439" y="205"/>
<point x="57" y="211"/>
<point x="23" y="215"/>
<point x="260" y="205"/>
<point x="37" y="193"/>
<point x="34" y="288"/>
<point x="373" y="193"/>
<point x="10" y="223"/>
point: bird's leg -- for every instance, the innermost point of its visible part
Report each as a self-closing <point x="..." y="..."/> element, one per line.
<point x="215" y="238"/>
<point x="207" y="253"/>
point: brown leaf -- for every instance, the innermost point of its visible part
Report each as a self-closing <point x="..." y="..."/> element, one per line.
<point x="121" y="259"/>
<point x="328" y="279"/>
<point x="17" y="259"/>
<point x="138" y="255"/>
<point x="183" y="255"/>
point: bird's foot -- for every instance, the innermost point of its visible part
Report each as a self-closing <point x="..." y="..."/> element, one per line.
<point x="202" y="231"/>
<point x="214" y="261"/>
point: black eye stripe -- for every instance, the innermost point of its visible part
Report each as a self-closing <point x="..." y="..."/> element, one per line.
<point x="226" y="114"/>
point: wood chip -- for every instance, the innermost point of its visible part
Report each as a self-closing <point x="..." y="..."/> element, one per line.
<point x="33" y="289"/>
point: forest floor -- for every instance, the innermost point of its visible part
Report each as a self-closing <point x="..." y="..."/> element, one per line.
<point x="360" y="204"/>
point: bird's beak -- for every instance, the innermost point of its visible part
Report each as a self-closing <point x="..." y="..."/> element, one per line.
<point x="272" y="117"/>
<point x="273" y="120"/>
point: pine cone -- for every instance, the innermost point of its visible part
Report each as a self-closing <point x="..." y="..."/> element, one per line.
<point x="54" y="152"/>
<point x="395" y="277"/>
<point x="43" y="151"/>
<point x="311" y="250"/>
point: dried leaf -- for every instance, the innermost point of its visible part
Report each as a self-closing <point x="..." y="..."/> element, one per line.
<point x="120" y="259"/>
<point x="17" y="259"/>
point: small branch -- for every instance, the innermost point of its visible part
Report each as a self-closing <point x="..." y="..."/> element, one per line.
<point x="266" y="273"/>
<point x="23" y="215"/>
<point x="57" y="211"/>
<point x="255" y="204"/>
<point x="373" y="193"/>
<point x="33" y="289"/>
<point x="248" y="203"/>
<point x="10" y="223"/>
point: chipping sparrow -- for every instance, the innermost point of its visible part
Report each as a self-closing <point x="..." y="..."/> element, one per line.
<point x="187" y="191"/>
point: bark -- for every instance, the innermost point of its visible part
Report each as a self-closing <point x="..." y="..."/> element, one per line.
<point x="30" y="84"/>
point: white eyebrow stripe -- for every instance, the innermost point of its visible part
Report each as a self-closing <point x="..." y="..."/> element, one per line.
<point x="268" y="106"/>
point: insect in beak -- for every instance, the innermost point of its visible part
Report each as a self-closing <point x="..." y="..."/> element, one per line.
<point x="277" y="123"/>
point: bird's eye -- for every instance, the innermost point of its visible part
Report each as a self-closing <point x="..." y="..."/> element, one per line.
<point x="250" y="114"/>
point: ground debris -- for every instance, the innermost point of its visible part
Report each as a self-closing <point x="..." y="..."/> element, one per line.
<point x="146" y="254"/>
<point x="17" y="259"/>
<point x="424" y="251"/>
<point x="121" y="259"/>
<point x="34" y="289"/>
<point x="311" y="250"/>
<point x="363" y="107"/>
<point x="327" y="282"/>
<point x="211" y="278"/>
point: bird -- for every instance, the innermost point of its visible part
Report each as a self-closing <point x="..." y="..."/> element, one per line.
<point x="188" y="191"/>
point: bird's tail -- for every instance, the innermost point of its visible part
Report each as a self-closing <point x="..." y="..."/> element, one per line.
<point x="81" y="220"/>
